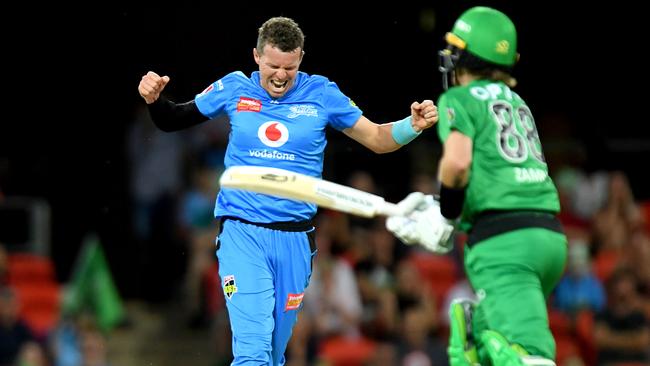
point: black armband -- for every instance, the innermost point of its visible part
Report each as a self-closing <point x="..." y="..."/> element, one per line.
<point x="451" y="201"/>
<point x="169" y="116"/>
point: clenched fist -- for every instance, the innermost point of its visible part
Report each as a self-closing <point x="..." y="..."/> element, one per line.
<point x="423" y="115"/>
<point x="151" y="86"/>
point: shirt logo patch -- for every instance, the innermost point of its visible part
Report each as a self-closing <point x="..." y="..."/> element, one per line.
<point x="248" y="105"/>
<point x="229" y="287"/>
<point x="303" y="110"/>
<point x="273" y="134"/>
<point x="451" y="115"/>
<point x="294" y="301"/>
<point x="206" y="90"/>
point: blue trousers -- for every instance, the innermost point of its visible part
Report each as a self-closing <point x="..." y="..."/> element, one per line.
<point x="264" y="274"/>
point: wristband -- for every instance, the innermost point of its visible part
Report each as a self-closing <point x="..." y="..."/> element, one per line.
<point x="403" y="131"/>
<point x="451" y="201"/>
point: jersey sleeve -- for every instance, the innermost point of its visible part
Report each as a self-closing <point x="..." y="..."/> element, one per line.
<point x="213" y="100"/>
<point x="453" y="116"/>
<point x="342" y="112"/>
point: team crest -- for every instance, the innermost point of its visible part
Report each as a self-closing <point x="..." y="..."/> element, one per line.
<point x="451" y="115"/>
<point x="303" y="110"/>
<point x="229" y="287"/>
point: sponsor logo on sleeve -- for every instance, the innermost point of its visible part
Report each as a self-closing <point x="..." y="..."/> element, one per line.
<point x="293" y="301"/>
<point x="206" y="90"/>
<point x="248" y="105"/>
<point x="210" y="87"/>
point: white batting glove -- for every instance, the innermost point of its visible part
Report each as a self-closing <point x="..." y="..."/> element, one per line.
<point x="422" y="224"/>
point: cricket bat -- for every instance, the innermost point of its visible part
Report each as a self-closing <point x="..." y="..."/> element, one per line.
<point x="301" y="187"/>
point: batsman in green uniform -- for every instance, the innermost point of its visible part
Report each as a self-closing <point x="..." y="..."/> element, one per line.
<point x="495" y="185"/>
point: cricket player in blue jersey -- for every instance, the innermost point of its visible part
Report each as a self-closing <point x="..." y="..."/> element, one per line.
<point x="278" y="118"/>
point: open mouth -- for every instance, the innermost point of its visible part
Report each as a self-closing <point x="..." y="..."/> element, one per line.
<point x="278" y="84"/>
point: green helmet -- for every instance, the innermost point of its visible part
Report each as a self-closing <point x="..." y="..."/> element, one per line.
<point x="486" y="33"/>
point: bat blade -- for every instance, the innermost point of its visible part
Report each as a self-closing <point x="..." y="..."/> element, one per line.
<point x="301" y="187"/>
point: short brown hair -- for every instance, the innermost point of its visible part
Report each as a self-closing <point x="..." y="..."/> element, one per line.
<point x="280" y="32"/>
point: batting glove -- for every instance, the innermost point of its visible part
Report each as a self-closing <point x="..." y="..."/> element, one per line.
<point x="422" y="224"/>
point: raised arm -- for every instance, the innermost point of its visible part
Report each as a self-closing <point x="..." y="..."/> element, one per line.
<point x="167" y="115"/>
<point x="384" y="138"/>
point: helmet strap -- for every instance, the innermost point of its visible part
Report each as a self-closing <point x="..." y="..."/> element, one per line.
<point x="446" y="64"/>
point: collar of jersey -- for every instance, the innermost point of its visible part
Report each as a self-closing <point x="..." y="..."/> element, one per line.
<point x="255" y="78"/>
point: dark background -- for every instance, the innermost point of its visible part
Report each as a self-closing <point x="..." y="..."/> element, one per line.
<point x="71" y="76"/>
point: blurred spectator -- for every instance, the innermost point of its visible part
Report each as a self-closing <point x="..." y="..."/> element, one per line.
<point x="94" y="350"/>
<point x="332" y="303"/>
<point x="412" y="292"/>
<point x="157" y="163"/>
<point x="579" y="288"/>
<point x="375" y="276"/>
<point x="364" y="181"/>
<point x="424" y="183"/>
<point x="32" y="354"/>
<point x="385" y="354"/>
<point x="417" y="347"/>
<point x="14" y="333"/>
<point x="638" y="258"/>
<point x="568" y="181"/>
<point x="66" y="341"/>
<point x="618" y="216"/>
<point x="334" y="314"/>
<point x="200" y="229"/>
<point x="4" y="266"/>
<point x="301" y="348"/>
<point x="590" y="193"/>
<point x="622" y="331"/>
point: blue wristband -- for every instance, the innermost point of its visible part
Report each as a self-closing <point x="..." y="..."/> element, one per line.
<point x="403" y="131"/>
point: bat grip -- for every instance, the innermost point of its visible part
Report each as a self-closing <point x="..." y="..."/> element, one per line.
<point x="390" y="209"/>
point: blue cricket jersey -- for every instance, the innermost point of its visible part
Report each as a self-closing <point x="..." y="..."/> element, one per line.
<point x="286" y="133"/>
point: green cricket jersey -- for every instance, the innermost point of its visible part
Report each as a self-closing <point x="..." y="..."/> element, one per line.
<point x="508" y="169"/>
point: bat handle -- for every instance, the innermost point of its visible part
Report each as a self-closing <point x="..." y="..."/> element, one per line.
<point x="390" y="209"/>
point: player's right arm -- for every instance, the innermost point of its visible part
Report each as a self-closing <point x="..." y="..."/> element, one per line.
<point x="456" y="132"/>
<point x="167" y="115"/>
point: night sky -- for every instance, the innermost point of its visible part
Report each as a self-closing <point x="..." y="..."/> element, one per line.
<point x="72" y="76"/>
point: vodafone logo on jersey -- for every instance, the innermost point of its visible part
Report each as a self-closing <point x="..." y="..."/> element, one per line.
<point x="273" y="134"/>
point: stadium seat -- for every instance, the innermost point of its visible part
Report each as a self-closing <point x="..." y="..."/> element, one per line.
<point x="440" y="272"/>
<point x="605" y="263"/>
<point x="40" y="306"/>
<point x="585" y="336"/>
<point x="559" y="322"/>
<point x="341" y="351"/>
<point x="26" y="267"/>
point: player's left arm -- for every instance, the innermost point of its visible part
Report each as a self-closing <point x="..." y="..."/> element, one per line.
<point x="388" y="137"/>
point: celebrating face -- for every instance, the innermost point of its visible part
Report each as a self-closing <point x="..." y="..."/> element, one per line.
<point x="278" y="69"/>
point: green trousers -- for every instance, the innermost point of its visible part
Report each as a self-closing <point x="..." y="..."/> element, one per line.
<point x="513" y="274"/>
